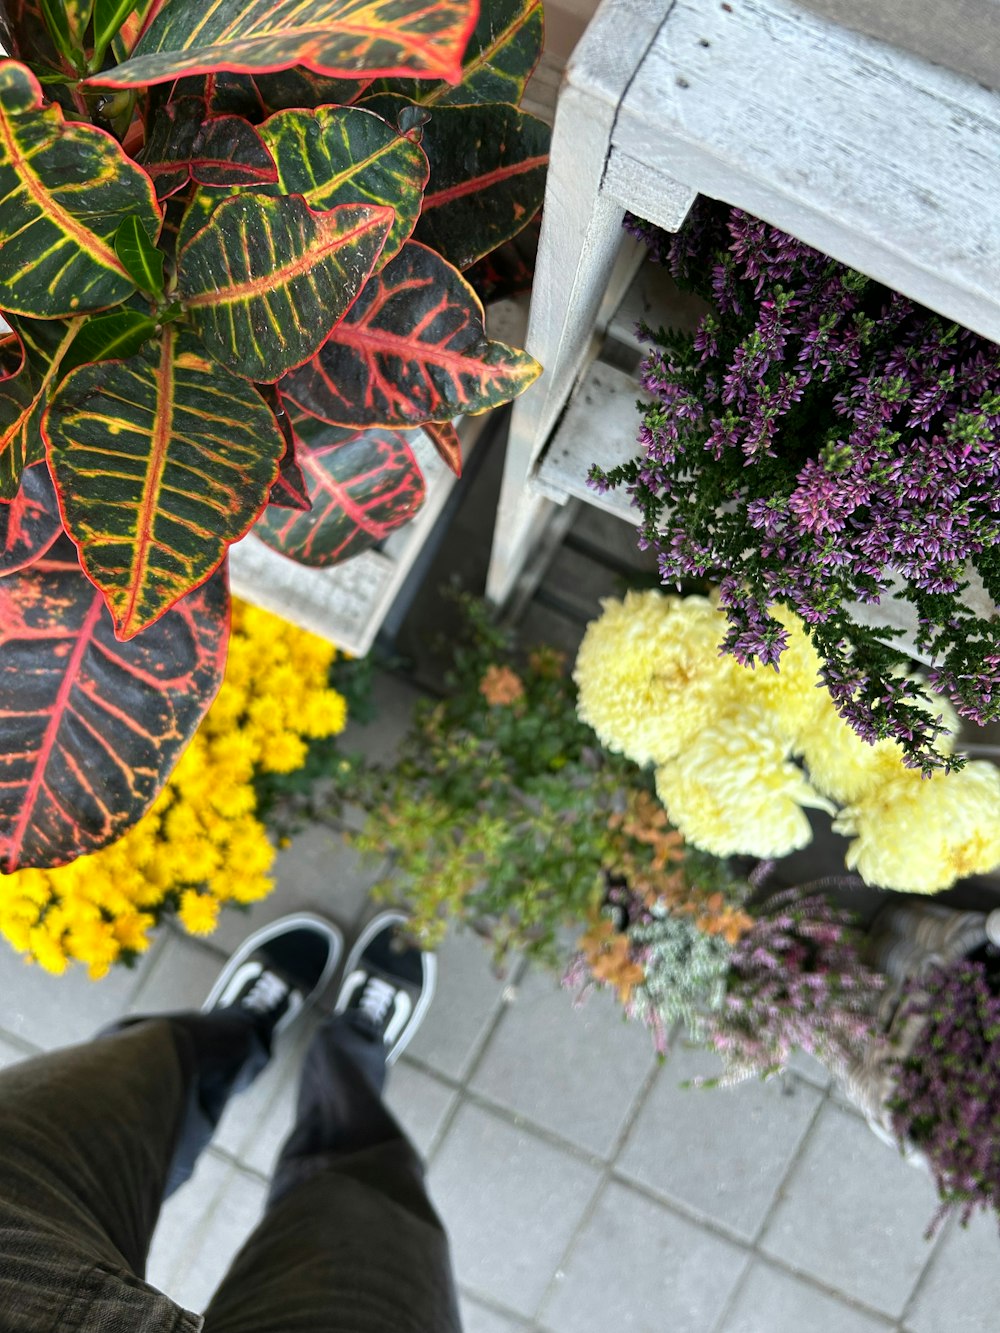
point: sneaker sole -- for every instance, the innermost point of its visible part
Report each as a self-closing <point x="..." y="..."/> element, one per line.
<point x="294" y="921"/>
<point x="373" y="928"/>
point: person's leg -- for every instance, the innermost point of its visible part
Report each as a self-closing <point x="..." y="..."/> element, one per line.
<point x="91" y="1138"/>
<point x="87" y="1135"/>
<point x="350" y="1242"/>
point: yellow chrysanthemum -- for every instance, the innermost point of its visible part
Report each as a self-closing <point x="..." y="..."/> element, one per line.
<point x="920" y="834"/>
<point x="198" y="912"/>
<point x="847" y="768"/>
<point x="794" y="693"/>
<point x="649" y="673"/>
<point x="202" y="832"/>
<point x="734" y="791"/>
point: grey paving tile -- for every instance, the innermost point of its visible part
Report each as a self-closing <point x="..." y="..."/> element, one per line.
<point x="180" y="977"/>
<point x="853" y="1214"/>
<point x="202" y="1227"/>
<point x="48" y="1011"/>
<point x="721" y="1151"/>
<point x="318" y="871"/>
<point x="465" y="1004"/>
<point x="575" y="1069"/>
<point x="239" y="1207"/>
<point x="511" y="1204"/>
<point x="477" y="1318"/>
<point x="639" y="1267"/>
<point x="393" y="700"/>
<point x="771" y="1301"/>
<point x="419" y="1102"/>
<point x="808" y="1068"/>
<point x="182" y="1221"/>
<point x="961" y="1290"/>
<point x="11" y="1052"/>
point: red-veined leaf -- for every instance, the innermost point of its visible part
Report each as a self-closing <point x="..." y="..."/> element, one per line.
<point x="185" y="143"/>
<point x="265" y="280"/>
<point x="488" y="167"/>
<point x="29" y="523"/>
<point x="502" y="52"/>
<point x="343" y="38"/>
<point x="344" y="155"/>
<point x="64" y="191"/>
<point x="289" y="490"/>
<point x="362" y="487"/>
<point x="92" y="727"/>
<point x="257" y="96"/>
<point x="23" y="399"/>
<point x="509" y="270"/>
<point x="444" y="437"/>
<point x="411" y="349"/>
<point x="161" y="461"/>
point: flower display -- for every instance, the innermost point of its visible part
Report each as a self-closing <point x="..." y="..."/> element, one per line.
<point x="819" y="442"/>
<point x="733" y="791"/>
<point x="741" y="755"/>
<point x="921" y="834"/>
<point x="795" y="981"/>
<point x="650" y="674"/>
<point x="201" y="845"/>
<point x="947" y="1093"/>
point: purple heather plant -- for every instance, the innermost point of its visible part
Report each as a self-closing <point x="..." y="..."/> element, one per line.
<point x="795" y="980"/>
<point x="822" y="440"/>
<point x="947" y="1097"/>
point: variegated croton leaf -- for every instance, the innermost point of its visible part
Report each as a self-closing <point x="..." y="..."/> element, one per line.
<point x="29" y="523"/>
<point x="66" y="189"/>
<point x="92" y="726"/>
<point x="362" y="486"/>
<point x="161" y="461"/>
<point x="343" y="38"/>
<point x="499" y="59"/>
<point x="411" y="349"/>
<point x="186" y="142"/>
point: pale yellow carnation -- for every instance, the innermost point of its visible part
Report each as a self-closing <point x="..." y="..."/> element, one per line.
<point x="650" y="676"/>
<point x="734" y="791"/>
<point x="920" y="834"/>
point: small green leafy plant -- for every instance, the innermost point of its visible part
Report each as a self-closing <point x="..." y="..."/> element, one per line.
<point x="232" y="245"/>
<point x="499" y="810"/>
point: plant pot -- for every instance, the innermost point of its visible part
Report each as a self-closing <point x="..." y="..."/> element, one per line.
<point x="905" y="941"/>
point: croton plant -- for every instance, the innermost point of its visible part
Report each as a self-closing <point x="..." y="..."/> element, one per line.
<point x="232" y="243"/>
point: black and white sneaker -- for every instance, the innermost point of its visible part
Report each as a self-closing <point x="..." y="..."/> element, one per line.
<point x="388" y="984"/>
<point x="279" y="971"/>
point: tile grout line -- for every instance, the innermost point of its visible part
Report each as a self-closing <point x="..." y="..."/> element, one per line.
<point x="935" y="1247"/>
<point x="605" y="1177"/>
<point x="461" y="1084"/>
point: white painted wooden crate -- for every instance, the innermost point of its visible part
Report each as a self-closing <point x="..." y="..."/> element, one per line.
<point x="865" y="150"/>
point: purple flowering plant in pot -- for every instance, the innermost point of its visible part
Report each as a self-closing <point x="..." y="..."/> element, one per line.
<point x="945" y="1103"/>
<point x="822" y="441"/>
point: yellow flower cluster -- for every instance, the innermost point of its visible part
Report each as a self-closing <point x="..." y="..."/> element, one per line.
<point x="723" y="739"/>
<point x="200" y="846"/>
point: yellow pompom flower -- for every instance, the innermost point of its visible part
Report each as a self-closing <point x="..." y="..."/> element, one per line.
<point x="649" y="673"/>
<point x="201" y="844"/>
<point x="198" y="912"/>
<point x="734" y="791"/>
<point x="847" y="768"/>
<point x="920" y="834"/>
<point x="794" y="693"/>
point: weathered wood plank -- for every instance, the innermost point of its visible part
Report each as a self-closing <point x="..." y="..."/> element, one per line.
<point x="599" y="427"/>
<point x="870" y="154"/>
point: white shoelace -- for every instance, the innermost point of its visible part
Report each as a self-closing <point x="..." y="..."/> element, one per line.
<point x="266" y="993"/>
<point x="376" y="999"/>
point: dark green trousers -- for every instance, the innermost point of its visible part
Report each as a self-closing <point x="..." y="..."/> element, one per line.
<point x="91" y="1138"/>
